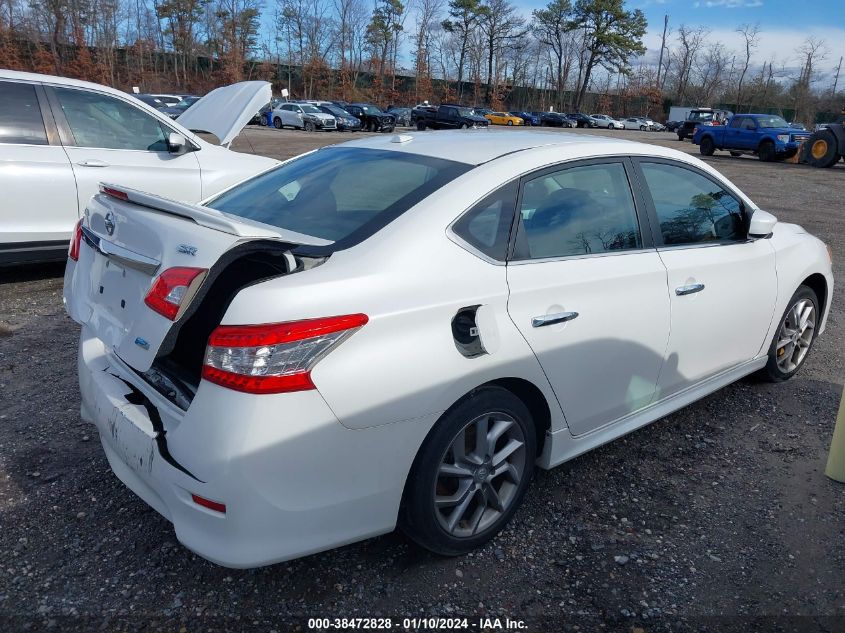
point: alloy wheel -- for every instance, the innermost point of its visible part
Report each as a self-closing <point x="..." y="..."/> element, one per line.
<point x="795" y="335"/>
<point x="479" y="474"/>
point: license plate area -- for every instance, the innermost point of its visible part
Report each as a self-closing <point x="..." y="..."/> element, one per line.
<point x="135" y="446"/>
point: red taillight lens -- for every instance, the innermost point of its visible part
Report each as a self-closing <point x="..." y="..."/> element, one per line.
<point x="171" y="288"/>
<point x="114" y="193"/>
<point x="274" y="357"/>
<point x="208" y="503"/>
<point x="75" y="241"/>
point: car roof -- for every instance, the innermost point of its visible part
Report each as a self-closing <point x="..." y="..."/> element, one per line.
<point x="475" y="147"/>
<point x="53" y="79"/>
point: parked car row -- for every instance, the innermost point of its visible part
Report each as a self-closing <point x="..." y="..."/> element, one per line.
<point x="313" y="115"/>
<point x="170" y="104"/>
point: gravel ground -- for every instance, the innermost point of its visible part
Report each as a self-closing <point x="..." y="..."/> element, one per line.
<point x="718" y="517"/>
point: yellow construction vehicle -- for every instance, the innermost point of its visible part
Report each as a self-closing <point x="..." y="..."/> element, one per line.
<point x="826" y="146"/>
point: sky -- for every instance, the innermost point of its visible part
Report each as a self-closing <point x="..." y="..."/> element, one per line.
<point x="784" y="25"/>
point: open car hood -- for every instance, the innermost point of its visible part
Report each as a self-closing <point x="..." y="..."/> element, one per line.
<point x="225" y="111"/>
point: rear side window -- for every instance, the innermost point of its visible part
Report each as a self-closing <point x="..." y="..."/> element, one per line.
<point x="692" y="209"/>
<point x="340" y="194"/>
<point x="487" y="226"/>
<point x="20" y="115"/>
<point x="98" y="120"/>
<point x="577" y="211"/>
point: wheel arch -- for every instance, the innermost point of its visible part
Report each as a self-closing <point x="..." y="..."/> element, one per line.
<point x="530" y="395"/>
<point x="818" y="284"/>
<point x="764" y="140"/>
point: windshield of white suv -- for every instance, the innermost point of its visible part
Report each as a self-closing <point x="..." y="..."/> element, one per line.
<point x="340" y="194"/>
<point x="310" y="109"/>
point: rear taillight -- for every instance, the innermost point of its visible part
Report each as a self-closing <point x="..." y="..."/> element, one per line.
<point x="75" y="241"/>
<point x="114" y="193"/>
<point x="172" y="290"/>
<point x="274" y="357"/>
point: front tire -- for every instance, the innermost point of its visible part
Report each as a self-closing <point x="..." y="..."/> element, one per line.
<point x="510" y="122"/>
<point x="471" y="473"/>
<point x="309" y="126"/>
<point x="706" y="147"/>
<point x="766" y="151"/>
<point x="794" y="337"/>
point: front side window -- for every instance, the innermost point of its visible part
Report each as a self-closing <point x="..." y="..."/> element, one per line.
<point x="748" y="124"/>
<point x="20" y="115"/>
<point x="692" y="209"/>
<point x="487" y="226"/>
<point x="98" y="120"/>
<point x="339" y="194"/>
<point x="577" y="211"/>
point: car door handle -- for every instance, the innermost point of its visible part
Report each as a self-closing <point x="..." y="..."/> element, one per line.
<point x="92" y="162"/>
<point x="551" y="319"/>
<point x="688" y="290"/>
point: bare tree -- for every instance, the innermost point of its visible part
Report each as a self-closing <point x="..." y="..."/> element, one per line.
<point x="750" y="33"/>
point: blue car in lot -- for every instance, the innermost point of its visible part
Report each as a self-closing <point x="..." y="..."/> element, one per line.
<point x="530" y="119"/>
<point x="768" y="136"/>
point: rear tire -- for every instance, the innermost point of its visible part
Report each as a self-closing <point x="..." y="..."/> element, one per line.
<point x="792" y="342"/>
<point x="735" y="154"/>
<point x="421" y="126"/>
<point x="766" y="151"/>
<point x="821" y="149"/>
<point x="277" y="123"/>
<point x="707" y="147"/>
<point x="681" y="136"/>
<point x="454" y="499"/>
<point x="510" y="122"/>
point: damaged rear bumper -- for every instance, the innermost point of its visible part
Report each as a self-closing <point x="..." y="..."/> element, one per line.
<point x="293" y="479"/>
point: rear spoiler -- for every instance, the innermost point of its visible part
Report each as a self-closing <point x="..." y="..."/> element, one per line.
<point x="209" y="218"/>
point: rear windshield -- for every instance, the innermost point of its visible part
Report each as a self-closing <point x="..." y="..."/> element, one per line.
<point x="340" y="194"/>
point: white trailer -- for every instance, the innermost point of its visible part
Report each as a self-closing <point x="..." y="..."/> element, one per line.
<point x="678" y="113"/>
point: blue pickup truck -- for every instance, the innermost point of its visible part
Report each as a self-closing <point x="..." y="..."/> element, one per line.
<point x="766" y="135"/>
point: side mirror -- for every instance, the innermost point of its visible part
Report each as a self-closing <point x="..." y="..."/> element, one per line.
<point x="762" y="224"/>
<point x="176" y="143"/>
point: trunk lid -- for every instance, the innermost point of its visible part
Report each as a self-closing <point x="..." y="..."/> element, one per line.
<point x="225" y="111"/>
<point x="128" y="242"/>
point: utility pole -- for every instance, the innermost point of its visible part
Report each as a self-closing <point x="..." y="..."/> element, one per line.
<point x="836" y="78"/>
<point x="663" y="47"/>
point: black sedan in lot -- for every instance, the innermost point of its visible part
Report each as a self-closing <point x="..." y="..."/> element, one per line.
<point x="345" y="121"/>
<point x="582" y="120"/>
<point x="554" y="119"/>
<point x="373" y="118"/>
<point x="403" y="115"/>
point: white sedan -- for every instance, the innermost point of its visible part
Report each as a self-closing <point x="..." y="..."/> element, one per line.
<point x="395" y="331"/>
<point x="608" y="122"/>
<point x="59" y="138"/>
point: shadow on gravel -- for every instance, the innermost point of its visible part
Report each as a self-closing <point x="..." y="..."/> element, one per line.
<point x="31" y="272"/>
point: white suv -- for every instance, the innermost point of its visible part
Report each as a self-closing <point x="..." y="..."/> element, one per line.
<point x="59" y="138"/>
